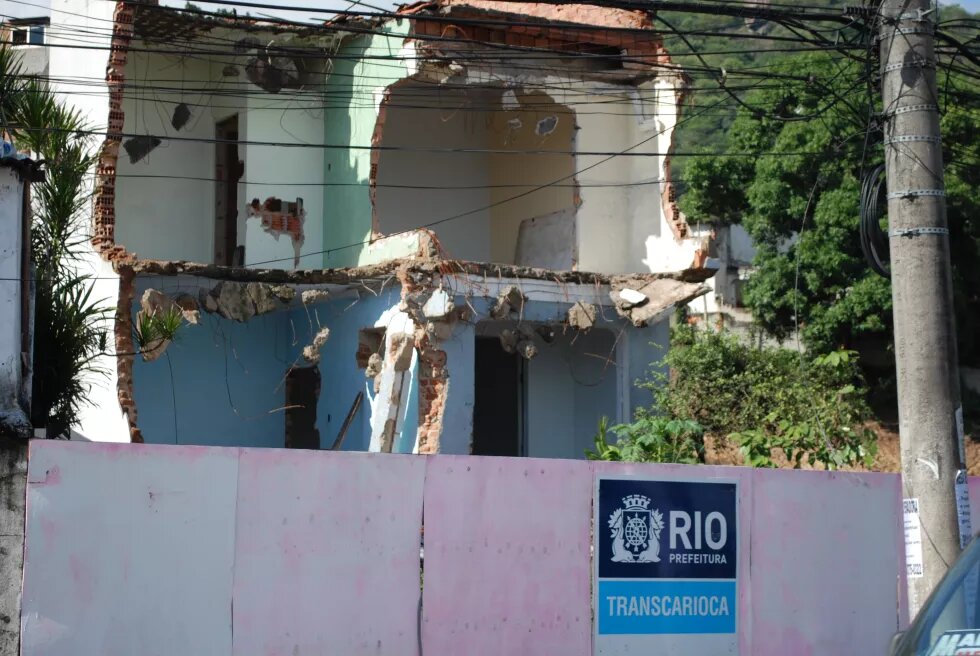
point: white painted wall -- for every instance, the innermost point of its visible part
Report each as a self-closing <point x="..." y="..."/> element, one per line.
<point x="170" y="214"/>
<point x="11" y="199"/>
<point x="735" y="252"/>
<point x="165" y="201"/>
<point x="624" y="228"/>
<point x="287" y="173"/>
<point x="75" y="74"/>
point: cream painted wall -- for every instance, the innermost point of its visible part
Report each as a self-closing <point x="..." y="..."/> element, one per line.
<point x="419" y="118"/>
<point x="513" y="175"/>
<point x="450" y="125"/>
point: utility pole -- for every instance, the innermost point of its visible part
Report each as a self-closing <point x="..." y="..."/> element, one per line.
<point x="925" y="334"/>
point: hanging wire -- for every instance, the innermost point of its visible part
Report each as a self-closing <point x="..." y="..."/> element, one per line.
<point x="874" y="241"/>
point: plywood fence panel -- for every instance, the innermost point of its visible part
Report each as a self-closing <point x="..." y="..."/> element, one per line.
<point x="507" y="557"/>
<point x="327" y="553"/>
<point x="827" y="552"/>
<point x="129" y="550"/>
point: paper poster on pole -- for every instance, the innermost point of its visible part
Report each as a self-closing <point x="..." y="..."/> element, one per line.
<point x="913" y="538"/>
<point x="666" y="566"/>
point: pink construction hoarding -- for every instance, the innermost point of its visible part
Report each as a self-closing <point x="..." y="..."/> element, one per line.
<point x="189" y="550"/>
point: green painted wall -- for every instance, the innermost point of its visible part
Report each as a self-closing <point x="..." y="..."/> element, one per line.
<point x="363" y="68"/>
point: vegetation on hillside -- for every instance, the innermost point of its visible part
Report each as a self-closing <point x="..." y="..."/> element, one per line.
<point x="813" y="409"/>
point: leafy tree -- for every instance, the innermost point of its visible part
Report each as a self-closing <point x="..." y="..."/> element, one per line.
<point x="68" y="322"/>
<point x="800" y="204"/>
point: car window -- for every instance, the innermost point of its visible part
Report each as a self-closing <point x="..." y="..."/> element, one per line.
<point x="949" y="623"/>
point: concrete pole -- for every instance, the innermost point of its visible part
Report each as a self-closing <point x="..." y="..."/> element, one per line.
<point x="925" y="338"/>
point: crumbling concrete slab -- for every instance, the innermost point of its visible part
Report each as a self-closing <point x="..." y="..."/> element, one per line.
<point x="263" y="298"/>
<point x="582" y="316"/>
<point x="310" y="296"/>
<point x="509" y="302"/>
<point x="234" y="301"/>
<point x="439" y="305"/>
<point x="374" y="365"/>
<point x="661" y="296"/>
<point x="402" y="348"/>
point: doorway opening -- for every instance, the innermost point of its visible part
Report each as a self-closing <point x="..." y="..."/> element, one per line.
<point x="302" y="391"/>
<point x="498" y="411"/>
<point x="228" y="170"/>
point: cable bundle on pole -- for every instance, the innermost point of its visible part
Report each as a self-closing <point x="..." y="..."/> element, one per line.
<point x="874" y="241"/>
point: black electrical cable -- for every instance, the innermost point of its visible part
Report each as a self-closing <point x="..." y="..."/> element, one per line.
<point x="874" y="241"/>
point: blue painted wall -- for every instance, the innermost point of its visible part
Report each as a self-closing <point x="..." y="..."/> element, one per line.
<point x="227" y="384"/>
<point x="341" y="379"/>
<point x="226" y="388"/>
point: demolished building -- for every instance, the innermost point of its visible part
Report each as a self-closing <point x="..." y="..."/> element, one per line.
<point x="448" y="229"/>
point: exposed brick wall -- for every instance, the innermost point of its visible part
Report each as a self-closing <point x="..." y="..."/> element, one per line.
<point x="126" y="349"/>
<point x="433" y="387"/>
<point x="104" y="210"/>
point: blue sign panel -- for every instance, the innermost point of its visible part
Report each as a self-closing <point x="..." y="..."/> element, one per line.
<point x="666" y="564"/>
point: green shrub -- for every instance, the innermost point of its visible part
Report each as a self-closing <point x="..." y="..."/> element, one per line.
<point x="650" y="439"/>
<point x="813" y="409"/>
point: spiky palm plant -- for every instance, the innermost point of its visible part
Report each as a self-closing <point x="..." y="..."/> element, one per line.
<point x="68" y="323"/>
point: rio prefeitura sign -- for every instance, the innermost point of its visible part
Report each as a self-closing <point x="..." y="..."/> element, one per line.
<point x="666" y="566"/>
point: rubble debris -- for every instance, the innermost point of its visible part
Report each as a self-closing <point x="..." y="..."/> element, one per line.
<point x="465" y="313"/>
<point x="510" y="301"/>
<point x="182" y="114"/>
<point x="189" y="307"/>
<point x="279" y="217"/>
<point x="311" y="296"/>
<point x="582" y="316"/>
<point x="208" y="302"/>
<point x="508" y="340"/>
<point x="439" y="305"/>
<point x="311" y="352"/>
<point x="374" y="365"/>
<point x="439" y="330"/>
<point x="263" y="298"/>
<point x="402" y="348"/>
<point x="284" y="293"/>
<point x="527" y="349"/>
<point x="139" y="147"/>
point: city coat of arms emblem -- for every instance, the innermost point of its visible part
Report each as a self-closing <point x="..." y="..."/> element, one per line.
<point x="636" y="531"/>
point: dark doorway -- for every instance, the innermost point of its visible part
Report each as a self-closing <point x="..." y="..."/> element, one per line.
<point x="228" y="170"/>
<point x="302" y="392"/>
<point x="497" y="424"/>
